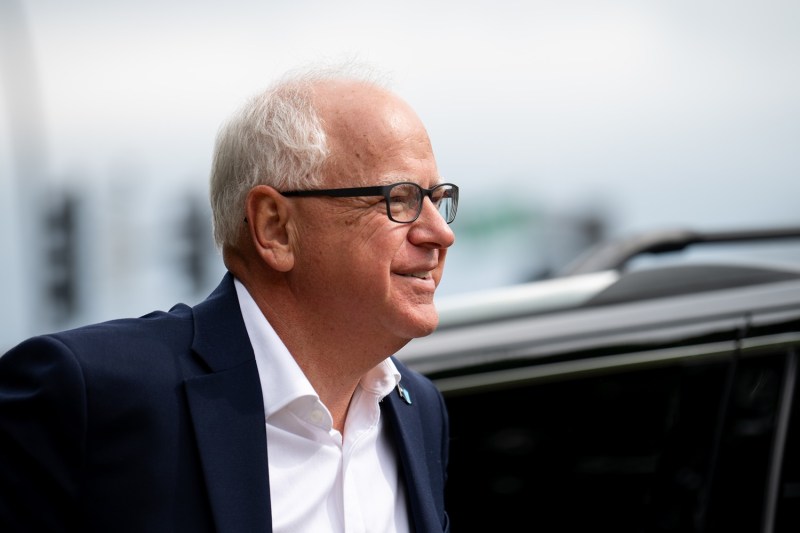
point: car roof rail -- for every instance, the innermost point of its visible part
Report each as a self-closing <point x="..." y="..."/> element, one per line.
<point x="617" y="254"/>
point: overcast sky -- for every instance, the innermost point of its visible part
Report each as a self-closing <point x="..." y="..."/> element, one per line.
<point x="680" y="111"/>
<point x="658" y="113"/>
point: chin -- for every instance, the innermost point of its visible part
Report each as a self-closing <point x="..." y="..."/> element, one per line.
<point x="409" y="319"/>
<point x="422" y="323"/>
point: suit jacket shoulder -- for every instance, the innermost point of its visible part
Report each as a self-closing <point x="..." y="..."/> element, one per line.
<point x="116" y="418"/>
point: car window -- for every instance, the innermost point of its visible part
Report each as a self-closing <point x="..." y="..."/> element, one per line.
<point x="683" y="446"/>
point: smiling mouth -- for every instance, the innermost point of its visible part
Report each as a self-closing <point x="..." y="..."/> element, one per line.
<point x="418" y="275"/>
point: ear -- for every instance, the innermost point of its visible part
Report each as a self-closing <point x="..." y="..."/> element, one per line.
<point x="267" y="216"/>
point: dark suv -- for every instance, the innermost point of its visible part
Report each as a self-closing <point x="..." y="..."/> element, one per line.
<point x="618" y="398"/>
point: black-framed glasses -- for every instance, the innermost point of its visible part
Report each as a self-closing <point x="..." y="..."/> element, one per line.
<point x="403" y="200"/>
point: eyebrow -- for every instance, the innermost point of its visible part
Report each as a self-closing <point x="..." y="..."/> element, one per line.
<point x="398" y="179"/>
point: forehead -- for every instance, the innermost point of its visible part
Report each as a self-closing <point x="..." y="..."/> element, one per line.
<point x="374" y="136"/>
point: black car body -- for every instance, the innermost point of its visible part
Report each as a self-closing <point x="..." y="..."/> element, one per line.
<point x="655" y="399"/>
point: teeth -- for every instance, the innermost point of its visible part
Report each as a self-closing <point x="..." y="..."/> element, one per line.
<point x="420" y="275"/>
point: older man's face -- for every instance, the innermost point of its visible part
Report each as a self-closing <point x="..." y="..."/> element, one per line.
<point x="371" y="275"/>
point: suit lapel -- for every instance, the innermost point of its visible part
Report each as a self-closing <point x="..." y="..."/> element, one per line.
<point x="406" y="424"/>
<point x="227" y="412"/>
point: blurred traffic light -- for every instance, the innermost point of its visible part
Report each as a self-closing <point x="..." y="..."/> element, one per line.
<point x="60" y="256"/>
<point x="195" y="244"/>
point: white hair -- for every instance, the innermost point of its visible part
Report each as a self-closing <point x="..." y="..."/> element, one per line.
<point x="278" y="139"/>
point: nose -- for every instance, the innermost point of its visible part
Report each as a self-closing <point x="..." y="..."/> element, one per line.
<point x="431" y="229"/>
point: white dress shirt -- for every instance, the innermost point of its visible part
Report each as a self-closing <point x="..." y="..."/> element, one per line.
<point x="319" y="480"/>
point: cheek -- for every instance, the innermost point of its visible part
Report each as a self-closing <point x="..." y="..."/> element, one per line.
<point x="344" y="264"/>
<point x="357" y="252"/>
<point x="378" y="246"/>
<point x="440" y="267"/>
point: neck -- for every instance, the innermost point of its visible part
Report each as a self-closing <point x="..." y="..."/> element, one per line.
<point x="333" y="356"/>
<point x="333" y="359"/>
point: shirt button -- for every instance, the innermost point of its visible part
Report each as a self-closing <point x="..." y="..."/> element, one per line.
<point x="316" y="416"/>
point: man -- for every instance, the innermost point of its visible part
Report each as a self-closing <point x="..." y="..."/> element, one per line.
<point x="275" y="404"/>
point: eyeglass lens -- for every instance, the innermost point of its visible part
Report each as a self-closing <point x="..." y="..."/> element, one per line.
<point x="406" y="199"/>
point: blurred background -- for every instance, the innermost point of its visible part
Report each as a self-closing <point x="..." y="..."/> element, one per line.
<point x="564" y="122"/>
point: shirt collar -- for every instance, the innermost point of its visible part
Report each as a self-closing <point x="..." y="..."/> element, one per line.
<point x="282" y="380"/>
<point x="381" y="379"/>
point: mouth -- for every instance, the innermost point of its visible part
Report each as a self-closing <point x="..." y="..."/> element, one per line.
<point x="419" y="275"/>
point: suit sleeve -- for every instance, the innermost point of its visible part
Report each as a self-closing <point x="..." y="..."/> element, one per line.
<point x="42" y="437"/>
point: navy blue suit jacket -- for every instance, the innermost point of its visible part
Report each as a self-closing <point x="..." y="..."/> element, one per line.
<point x="157" y="424"/>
